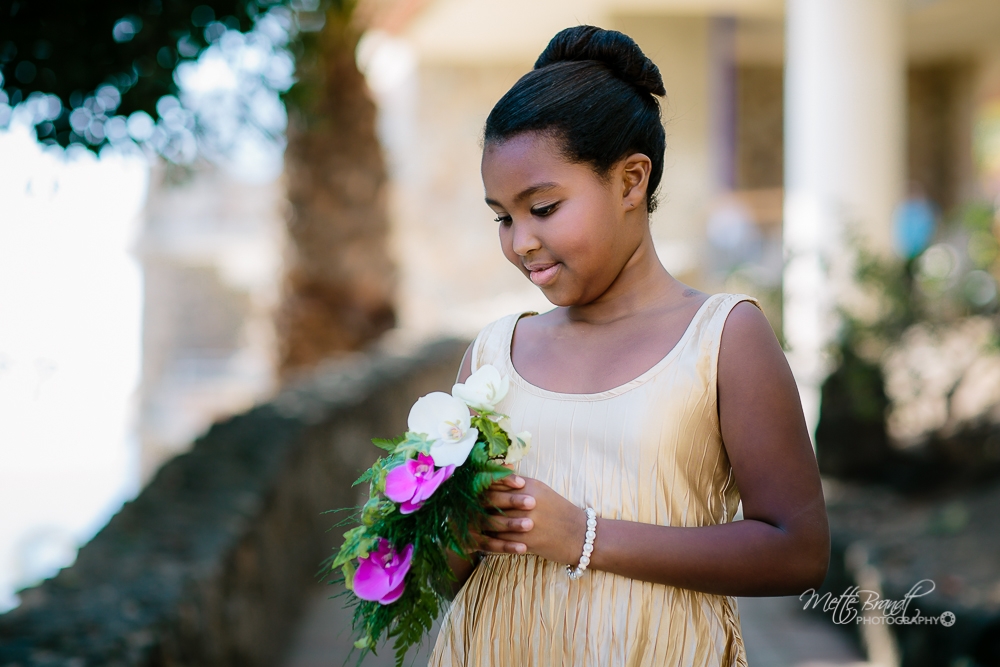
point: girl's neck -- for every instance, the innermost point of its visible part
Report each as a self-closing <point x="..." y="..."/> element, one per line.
<point x="642" y="285"/>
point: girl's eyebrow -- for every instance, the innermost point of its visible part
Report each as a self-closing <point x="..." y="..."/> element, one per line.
<point x="527" y="192"/>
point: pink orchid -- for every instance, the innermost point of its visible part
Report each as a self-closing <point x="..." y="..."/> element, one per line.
<point x="380" y="575"/>
<point x="414" y="482"/>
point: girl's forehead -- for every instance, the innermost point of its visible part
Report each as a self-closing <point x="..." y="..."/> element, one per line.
<point x="529" y="149"/>
<point x="526" y="159"/>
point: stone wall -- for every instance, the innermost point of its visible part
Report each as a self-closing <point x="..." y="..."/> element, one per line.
<point x="211" y="563"/>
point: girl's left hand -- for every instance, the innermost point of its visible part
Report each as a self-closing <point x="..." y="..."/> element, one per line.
<point x="534" y="519"/>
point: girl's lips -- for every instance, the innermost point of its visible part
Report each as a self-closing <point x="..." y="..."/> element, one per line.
<point x="543" y="276"/>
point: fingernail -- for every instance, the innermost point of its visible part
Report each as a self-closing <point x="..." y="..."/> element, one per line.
<point x="529" y="502"/>
<point x="518" y="480"/>
<point x="520" y="548"/>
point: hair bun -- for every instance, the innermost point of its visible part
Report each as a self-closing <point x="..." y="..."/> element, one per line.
<point x="615" y="50"/>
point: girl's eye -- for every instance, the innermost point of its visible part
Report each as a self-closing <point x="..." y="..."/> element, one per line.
<point x="543" y="211"/>
<point x="502" y="219"/>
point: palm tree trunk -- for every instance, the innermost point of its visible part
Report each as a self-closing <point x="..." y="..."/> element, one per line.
<point x="339" y="279"/>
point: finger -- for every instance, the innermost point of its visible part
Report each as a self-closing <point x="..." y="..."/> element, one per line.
<point x="508" y="482"/>
<point x="505" y="500"/>
<point x="494" y="545"/>
<point x="509" y="538"/>
<point x="520" y="514"/>
<point x="477" y="540"/>
<point x="508" y="524"/>
<point x="487" y="541"/>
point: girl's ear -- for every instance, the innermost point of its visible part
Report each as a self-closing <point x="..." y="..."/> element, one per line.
<point x="634" y="172"/>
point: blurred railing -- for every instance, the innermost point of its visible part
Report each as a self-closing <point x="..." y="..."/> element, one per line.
<point x="212" y="562"/>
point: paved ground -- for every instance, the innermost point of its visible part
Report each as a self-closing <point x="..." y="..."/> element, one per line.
<point x="777" y="633"/>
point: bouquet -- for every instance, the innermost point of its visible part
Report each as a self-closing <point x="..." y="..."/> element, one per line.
<point x="425" y="497"/>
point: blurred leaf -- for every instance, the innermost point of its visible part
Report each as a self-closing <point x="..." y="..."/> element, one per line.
<point x="388" y="444"/>
<point x="80" y="46"/>
<point x="72" y="49"/>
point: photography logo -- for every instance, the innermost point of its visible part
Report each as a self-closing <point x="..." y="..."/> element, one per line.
<point x="857" y="605"/>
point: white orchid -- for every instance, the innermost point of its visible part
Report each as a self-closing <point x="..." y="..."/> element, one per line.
<point x="445" y="420"/>
<point x="483" y="389"/>
<point x="520" y="443"/>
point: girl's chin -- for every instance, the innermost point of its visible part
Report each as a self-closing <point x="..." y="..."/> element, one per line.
<point x="559" y="298"/>
<point x="558" y="292"/>
<point x="565" y="296"/>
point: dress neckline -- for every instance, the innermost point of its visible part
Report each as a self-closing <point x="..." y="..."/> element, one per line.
<point x="607" y="393"/>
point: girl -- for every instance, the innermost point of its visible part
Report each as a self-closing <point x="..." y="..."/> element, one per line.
<point x="655" y="408"/>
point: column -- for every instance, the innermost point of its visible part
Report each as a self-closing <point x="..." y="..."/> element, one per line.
<point x="844" y="161"/>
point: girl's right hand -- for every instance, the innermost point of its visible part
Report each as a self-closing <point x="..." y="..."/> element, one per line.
<point x="502" y="521"/>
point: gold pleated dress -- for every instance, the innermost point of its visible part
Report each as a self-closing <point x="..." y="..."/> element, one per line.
<point x="649" y="450"/>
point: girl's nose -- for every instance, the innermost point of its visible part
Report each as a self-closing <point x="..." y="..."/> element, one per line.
<point x="524" y="238"/>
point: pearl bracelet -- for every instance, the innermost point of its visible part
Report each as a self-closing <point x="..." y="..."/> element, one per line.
<point x="588" y="546"/>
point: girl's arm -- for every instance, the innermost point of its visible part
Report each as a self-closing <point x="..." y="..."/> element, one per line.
<point x="781" y="547"/>
<point x="461" y="568"/>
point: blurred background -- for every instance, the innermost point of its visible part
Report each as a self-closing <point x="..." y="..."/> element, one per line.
<point x="206" y="206"/>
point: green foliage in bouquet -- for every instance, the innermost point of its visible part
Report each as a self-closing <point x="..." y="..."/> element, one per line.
<point x="425" y="498"/>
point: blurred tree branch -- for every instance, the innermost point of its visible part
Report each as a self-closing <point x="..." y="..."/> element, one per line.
<point x="108" y="63"/>
<point x="71" y="49"/>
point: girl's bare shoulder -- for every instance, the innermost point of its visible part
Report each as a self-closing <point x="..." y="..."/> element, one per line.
<point x="750" y="355"/>
<point x="748" y="329"/>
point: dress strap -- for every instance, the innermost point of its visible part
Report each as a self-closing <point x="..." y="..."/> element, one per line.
<point x="491" y="345"/>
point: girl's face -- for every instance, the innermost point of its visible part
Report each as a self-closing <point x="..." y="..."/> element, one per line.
<point x="564" y="227"/>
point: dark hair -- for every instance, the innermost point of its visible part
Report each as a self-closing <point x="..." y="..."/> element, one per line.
<point x="594" y="90"/>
